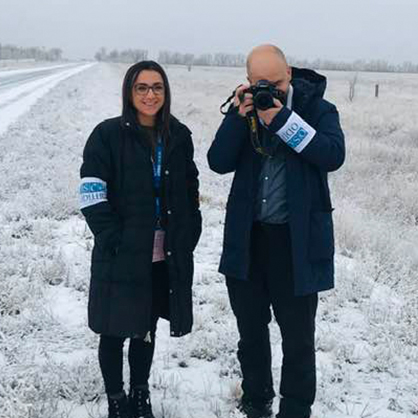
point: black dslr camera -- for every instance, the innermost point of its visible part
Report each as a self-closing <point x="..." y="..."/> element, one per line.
<point x="263" y="94"/>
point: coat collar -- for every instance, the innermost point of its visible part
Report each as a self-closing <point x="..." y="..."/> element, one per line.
<point x="178" y="133"/>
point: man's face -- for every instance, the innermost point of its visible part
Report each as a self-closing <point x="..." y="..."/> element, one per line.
<point x="271" y="68"/>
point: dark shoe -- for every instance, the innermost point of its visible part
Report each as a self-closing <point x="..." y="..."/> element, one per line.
<point x="140" y="403"/>
<point x="304" y="416"/>
<point x="256" y="409"/>
<point x="118" y="406"/>
<point x="289" y="408"/>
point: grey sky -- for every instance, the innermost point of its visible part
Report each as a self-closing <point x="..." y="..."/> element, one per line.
<point x="333" y="29"/>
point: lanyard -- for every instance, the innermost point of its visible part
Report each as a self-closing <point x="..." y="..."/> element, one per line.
<point x="157" y="167"/>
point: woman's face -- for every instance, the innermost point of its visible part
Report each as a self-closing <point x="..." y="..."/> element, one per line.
<point x="148" y="94"/>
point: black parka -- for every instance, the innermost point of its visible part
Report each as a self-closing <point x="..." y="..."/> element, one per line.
<point x="118" y="153"/>
<point x="308" y="195"/>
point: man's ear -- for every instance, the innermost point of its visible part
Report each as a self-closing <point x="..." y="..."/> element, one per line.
<point x="248" y="79"/>
<point x="289" y="72"/>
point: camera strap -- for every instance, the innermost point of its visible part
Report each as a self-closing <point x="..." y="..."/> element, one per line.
<point x="228" y="101"/>
<point x="253" y="124"/>
<point x="252" y="120"/>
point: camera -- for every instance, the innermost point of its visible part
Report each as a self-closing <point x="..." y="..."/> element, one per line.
<point x="263" y="94"/>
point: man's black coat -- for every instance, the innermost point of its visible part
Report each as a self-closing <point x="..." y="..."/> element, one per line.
<point x="118" y="153"/>
<point x="308" y="197"/>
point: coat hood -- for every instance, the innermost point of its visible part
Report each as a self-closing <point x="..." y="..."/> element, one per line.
<point x="308" y="86"/>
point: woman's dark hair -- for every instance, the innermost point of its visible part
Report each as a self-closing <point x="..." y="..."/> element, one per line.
<point x="129" y="113"/>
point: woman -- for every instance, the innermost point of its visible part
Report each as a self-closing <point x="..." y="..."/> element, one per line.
<point x="139" y="195"/>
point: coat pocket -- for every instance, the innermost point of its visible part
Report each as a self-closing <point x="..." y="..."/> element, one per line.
<point x="105" y="250"/>
<point x="321" y="239"/>
<point x="107" y="243"/>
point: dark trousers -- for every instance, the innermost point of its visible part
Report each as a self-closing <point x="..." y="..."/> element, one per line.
<point x="271" y="284"/>
<point x="140" y="352"/>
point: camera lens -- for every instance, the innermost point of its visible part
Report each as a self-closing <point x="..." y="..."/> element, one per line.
<point x="263" y="100"/>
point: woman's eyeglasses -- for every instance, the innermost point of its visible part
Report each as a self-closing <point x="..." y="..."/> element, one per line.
<point x="143" y="89"/>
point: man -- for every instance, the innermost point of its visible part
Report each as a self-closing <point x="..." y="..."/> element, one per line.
<point x="278" y="241"/>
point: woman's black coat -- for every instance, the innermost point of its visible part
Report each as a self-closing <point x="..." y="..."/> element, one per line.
<point x="118" y="153"/>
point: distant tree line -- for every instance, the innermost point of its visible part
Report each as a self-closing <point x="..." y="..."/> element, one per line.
<point x="238" y="60"/>
<point x="13" y="52"/>
<point x="169" y="57"/>
<point x="358" y="65"/>
<point x="125" y="56"/>
<point x="216" y="60"/>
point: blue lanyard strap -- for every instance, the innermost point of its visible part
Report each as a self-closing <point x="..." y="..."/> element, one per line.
<point x="157" y="168"/>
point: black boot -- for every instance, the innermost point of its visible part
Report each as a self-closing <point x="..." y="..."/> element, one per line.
<point x="140" y="403"/>
<point x="256" y="409"/>
<point x="118" y="406"/>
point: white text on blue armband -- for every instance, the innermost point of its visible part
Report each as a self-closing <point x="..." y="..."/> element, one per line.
<point x="92" y="191"/>
<point x="296" y="133"/>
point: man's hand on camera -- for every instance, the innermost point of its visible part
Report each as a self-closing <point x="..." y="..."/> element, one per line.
<point x="268" y="115"/>
<point x="243" y="101"/>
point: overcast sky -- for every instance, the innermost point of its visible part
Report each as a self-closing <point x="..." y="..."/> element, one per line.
<point x="329" y="29"/>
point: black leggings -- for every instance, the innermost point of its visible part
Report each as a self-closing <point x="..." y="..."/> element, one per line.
<point x="141" y="352"/>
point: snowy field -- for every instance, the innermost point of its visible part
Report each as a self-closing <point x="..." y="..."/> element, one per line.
<point x="367" y="330"/>
<point x="20" y="89"/>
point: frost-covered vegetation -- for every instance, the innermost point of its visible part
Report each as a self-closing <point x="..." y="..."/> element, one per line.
<point x="14" y="52"/>
<point x="124" y="56"/>
<point x="367" y="333"/>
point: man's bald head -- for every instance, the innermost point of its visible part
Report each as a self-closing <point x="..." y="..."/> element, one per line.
<point x="262" y="52"/>
<point x="268" y="62"/>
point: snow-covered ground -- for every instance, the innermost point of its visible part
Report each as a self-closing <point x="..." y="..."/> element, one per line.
<point x="20" y="89"/>
<point x="367" y="332"/>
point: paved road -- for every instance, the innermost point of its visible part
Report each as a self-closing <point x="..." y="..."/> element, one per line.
<point x="20" y="89"/>
<point x="11" y="79"/>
